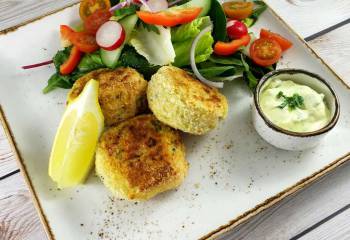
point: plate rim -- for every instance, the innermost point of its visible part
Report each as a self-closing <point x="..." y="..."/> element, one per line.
<point x="268" y="203"/>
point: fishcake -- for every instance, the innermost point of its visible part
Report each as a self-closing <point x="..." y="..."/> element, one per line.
<point x="140" y="158"/>
<point x="183" y="102"/>
<point x="122" y="93"/>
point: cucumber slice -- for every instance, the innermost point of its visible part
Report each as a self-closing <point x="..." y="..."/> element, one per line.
<point x="204" y="4"/>
<point x="110" y="58"/>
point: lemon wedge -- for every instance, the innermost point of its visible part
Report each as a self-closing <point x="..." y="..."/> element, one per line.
<point x="72" y="154"/>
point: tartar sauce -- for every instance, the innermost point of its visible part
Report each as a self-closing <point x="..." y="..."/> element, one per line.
<point x="312" y="115"/>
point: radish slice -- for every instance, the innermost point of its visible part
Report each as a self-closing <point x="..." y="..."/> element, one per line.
<point x="154" y="5"/>
<point x="110" y="35"/>
<point x="193" y="60"/>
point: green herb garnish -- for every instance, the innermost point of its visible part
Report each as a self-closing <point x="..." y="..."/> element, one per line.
<point x="149" y="27"/>
<point x="293" y="102"/>
<point x="126" y="11"/>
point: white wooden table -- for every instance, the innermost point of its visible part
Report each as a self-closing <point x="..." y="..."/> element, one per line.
<point x="321" y="211"/>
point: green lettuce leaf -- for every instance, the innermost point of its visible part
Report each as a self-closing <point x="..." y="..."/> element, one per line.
<point x="156" y="47"/>
<point x="182" y="38"/>
<point x="90" y="62"/>
<point x="87" y="64"/>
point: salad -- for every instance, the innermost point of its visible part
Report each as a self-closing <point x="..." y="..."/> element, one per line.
<point x="210" y="40"/>
<point x="127" y="57"/>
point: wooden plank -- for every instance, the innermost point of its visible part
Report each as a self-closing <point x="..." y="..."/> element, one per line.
<point x="295" y="214"/>
<point x="314" y="17"/>
<point x="324" y="232"/>
<point x="18" y="218"/>
<point x="334" y="48"/>
<point x="7" y="162"/>
<point x="14" y="12"/>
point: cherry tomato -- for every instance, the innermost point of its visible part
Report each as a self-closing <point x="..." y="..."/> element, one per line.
<point x="88" y="7"/>
<point x="229" y="48"/>
<point x="265" y="52"/>
<point x="238" y="10"/>
<point x="71" y="63"/>
<point x="170" y="18"/>
<point x="93" y="22"/>
<point x="236" y="29"/>
<point x="85" y="42"/>
<point x="283" y="42"/>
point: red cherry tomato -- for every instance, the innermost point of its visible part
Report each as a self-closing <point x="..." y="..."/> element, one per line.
<point x="238" y="10"/>
<point x="88" y="7"/>
<point x="236" y="29"/>
<point x="85" y="42"/>
<point x="265" y="51"/>
<point x="283" y="42"/>
<point x="95" y="20"/>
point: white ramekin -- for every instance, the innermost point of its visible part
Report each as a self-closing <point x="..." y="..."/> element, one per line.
<point x="288" y="140"/>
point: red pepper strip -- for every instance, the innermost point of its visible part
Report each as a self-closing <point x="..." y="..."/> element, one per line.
<point x="229" y="48"/>
<point x="71" y="63"/>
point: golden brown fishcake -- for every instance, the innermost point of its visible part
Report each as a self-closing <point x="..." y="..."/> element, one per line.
<point x="140" y="158"/>
<point x="183" y="102"/>
<point x="122" y="93"/>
